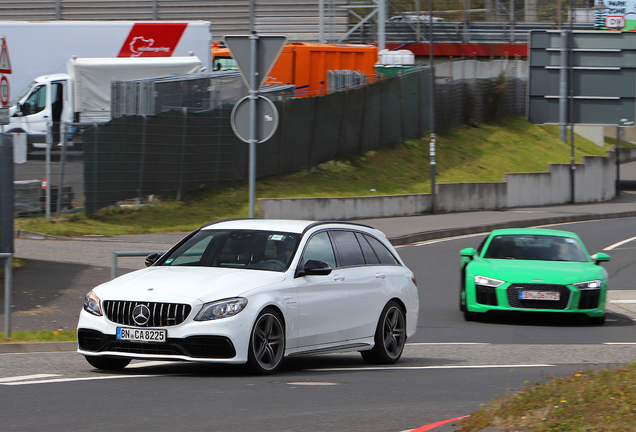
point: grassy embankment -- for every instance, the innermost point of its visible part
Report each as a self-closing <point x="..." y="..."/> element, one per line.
<point x="466" y="154"/>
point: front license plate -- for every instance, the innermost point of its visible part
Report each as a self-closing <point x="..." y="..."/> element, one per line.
<point x="539" y="295"/>
<point x="141" y="335"/>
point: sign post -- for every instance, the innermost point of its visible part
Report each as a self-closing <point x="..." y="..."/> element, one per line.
<point x="255" y="55"/>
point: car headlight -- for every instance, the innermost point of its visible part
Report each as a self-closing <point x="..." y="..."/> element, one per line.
<point x="221" y="309"/>
<point x="92" y="304"/>
<point x="595" y="284"/>
<point x="486" y="281"/>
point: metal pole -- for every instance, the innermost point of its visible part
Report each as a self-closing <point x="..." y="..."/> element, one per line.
<point x="47" y="174"/>
<point x="321" y="14"/>
<point x="563" y="88"/>
<point x="618" y="164"/>
<point x="432" y="107"/>
<point x="571" y="88"/>
<point x="60" y="188"/>
<point x="183" y="152"/>
<point x="8" y="282"/>
<point x="381" y="22"/>
<point x="142" y="160"/>
<point x="252" y="137"/>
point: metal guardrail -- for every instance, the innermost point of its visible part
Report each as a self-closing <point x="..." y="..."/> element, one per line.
<point x="113" y="268"/>
<point x="472" y="32"/>
<point x="8" y="286"/>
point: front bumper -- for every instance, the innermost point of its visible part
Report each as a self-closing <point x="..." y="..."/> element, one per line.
<point x="590" y="302"/>
<point x="216" y="341"/>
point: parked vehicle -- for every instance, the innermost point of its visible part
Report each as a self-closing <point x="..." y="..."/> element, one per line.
<point x="532" y="270"/>
<point x="38" y="48"/>
<point x="82" y="94"/>
<point x="252" y="292"/>
<point x="305" y="64"/>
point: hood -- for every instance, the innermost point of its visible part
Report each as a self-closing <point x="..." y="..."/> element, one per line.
<point x="185" y="284"/>
<point x="549" y="272"/>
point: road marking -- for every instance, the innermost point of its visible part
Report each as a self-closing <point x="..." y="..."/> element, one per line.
<point x="61" y="380"/>
<point x="447" y="343"/>
<point x="623" y="301"/>
<point x="428" y="242"/>
<point x="619" y="343"/>
<point x="620" y="243"/>
<point x="149" y="364"/>
<point x="406" y="368"/>
<point x="26" y="377"/>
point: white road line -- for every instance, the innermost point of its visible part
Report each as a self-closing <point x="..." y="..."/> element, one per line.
<point x="403" y="368"/>
<point x="447" y="343"/>
<point x="149" y="364"/>
<point x="428" y="242"/>
<point x="61" y="380"/>
<point x="620" y="243"/>
<point x="26" y="377"/>
<point x="623" y="301"/>
<point x="619" y="343"/>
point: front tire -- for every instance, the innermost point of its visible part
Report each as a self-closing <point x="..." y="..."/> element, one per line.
<point x="267" y="343"/>
<point x="107" y="363"/>
<point x="390" y="336"/>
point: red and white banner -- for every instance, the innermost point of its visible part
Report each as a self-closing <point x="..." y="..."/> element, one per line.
<point x="152" y="40"/>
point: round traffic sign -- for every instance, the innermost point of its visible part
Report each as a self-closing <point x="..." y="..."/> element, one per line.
<point x="266" y="119"/>
<point x="4" y="90"/>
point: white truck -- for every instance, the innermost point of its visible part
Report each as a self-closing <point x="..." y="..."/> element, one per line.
<point x="83" y="93"/>
<point x="36" y="49"/>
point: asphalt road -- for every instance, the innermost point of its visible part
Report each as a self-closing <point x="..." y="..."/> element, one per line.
<point x="448" y="369"/>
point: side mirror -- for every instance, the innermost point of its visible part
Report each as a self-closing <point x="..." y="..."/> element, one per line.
<point x="152" y="258"/>
<point x="468" y="252"/>
<point x="600" y="257"/>
<point x="314" y="268"/>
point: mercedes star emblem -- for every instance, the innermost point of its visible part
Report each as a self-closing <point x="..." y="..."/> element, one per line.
<point x="141" y="314"/>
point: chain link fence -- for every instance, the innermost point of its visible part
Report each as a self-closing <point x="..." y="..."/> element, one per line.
<point x="136" y="157"/>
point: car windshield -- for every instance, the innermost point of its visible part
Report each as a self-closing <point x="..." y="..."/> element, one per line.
<point x="247" y="249"/>
<point x="535" y="247"/>
<point x="23" y="93"/>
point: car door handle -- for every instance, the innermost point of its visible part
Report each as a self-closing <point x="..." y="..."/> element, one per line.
<point x="380" y="275"/>
<point x="338" y="278"/>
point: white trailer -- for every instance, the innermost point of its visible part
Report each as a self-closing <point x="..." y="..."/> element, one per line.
<point x="41" y="48"/>
<point x="83" y="93"/>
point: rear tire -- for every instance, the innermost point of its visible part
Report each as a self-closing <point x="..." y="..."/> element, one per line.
<point x="107" y="363"/>
<point x="267" y="343"/>
<point x="390" y="336"/>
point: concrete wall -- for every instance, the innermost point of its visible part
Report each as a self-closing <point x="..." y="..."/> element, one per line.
<point x="594" y="182"/>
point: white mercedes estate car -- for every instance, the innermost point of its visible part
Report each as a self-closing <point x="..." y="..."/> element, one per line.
<point x="252" y="291"/>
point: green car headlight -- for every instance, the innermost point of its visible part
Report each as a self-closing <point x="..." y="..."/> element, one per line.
<point x="595" y="284"/>
<point x="221" y="309"/>
<point x="486" y="281"/>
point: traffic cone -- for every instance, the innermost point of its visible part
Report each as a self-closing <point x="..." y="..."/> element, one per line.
<point x="45" y="183"/>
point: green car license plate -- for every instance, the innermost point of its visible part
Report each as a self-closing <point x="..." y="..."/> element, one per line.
<point x="539" y="295"/>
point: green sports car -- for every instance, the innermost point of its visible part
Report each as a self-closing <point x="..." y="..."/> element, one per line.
<point x="532" y="269"/>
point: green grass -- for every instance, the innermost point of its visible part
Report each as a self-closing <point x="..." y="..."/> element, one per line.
<point x="465" y="154"/>
<point x="589" y="401"/>
<point x="40" y="336"/>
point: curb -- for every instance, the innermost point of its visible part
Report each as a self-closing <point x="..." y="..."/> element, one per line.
<point x="37" y="347"/>
<point x="452" y="232"/>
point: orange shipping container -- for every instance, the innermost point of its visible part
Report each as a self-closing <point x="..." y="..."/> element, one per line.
<point x="306" y="65"/>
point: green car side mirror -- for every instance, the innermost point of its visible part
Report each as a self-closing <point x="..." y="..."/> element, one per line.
<point x="468" y="252"/>
<point x="600" y="257"/>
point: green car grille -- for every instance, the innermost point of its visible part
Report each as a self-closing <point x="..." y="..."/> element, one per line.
<point x="515" y="302"/>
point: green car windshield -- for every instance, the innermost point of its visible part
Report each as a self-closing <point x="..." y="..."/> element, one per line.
<point x="535" y="247"/>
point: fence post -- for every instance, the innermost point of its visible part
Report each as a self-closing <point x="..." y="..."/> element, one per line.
<point x="141" y="161"/>
<point x="183" y="146"/>
<point x="8" y="282"/>
<point x="60" y="188"/>
<point x="47" y="171"/>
